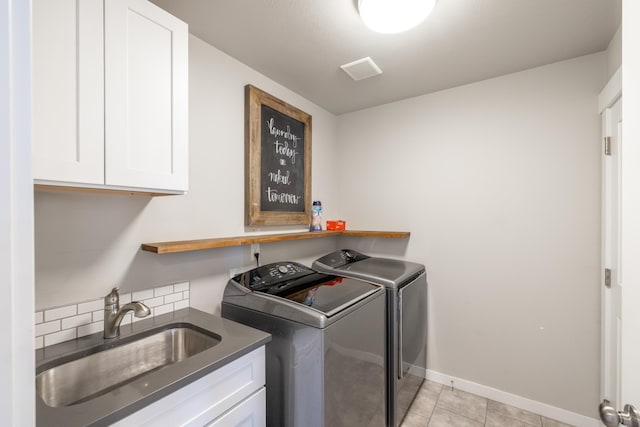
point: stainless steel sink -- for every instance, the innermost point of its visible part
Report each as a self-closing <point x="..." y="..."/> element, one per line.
<point x="114" y="364"/>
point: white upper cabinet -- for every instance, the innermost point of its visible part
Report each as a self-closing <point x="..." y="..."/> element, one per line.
<point x="68" y="91"/>
<point x="146" y="85"/>
<point x="110" y="96"/>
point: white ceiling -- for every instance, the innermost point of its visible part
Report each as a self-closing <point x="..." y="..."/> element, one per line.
<point x="302" y="43"/>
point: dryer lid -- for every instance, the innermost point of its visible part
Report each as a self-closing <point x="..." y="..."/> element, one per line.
<point x="391" y="273"/>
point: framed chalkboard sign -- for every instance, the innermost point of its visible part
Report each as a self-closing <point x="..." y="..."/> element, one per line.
<point x="277" y="161"/>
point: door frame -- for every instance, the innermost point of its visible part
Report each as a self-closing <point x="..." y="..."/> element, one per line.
<point x="17" y="358"/>
<point x="630" y="211"/>
<point x="609" y="96"/>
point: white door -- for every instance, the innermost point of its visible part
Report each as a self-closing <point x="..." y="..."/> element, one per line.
<point x="629" y="257"/>
<point x="611" y="290"/>
<point x="616" y="286"/>
<point x="146" y="92"/>
<point x="630" y="196"/>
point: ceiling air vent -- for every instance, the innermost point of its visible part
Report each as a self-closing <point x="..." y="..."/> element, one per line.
<point x="361" y="69"/>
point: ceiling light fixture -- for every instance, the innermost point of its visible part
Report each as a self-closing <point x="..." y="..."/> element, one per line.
<point x="394" y="16"/>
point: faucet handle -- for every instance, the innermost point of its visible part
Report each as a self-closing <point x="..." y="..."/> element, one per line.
<point x="112" y="297"/>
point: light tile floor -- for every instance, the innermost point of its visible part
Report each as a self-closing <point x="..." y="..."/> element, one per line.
<point x="439" y="406"/>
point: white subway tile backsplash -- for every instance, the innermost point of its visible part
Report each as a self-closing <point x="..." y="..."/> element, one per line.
<point x="163" y="309"/>
<point x="60" y="312"/>
<point x="98" y="315"/>
<point x="142" y="295"/>
<point x="125" y="299"/>
<point x="91" y="328"/>
<point x="58" y="337"/>
<point x="75" y="321"/>
<point x="154" y="302"/>
<point x="172" y="298"/>
<point x="47" y="328"/>
<point x="135" y="319"/>
<point x="59" y="324"/>
<point x="181" y="304"/>
<point x="126" y="319"/>
<point x="164" y="290"/>
<point x="179" y="287"/>
<point x="89" y="306"/>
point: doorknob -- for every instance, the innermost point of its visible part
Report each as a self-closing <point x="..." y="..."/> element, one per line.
<point x="611" y="418"/>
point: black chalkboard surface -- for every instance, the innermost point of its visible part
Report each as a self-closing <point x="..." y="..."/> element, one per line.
<point x="282" y="162"/>
<point x="277" y="161"/>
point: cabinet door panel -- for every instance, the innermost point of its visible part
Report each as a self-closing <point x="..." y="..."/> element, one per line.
<point x="146" y="96"/>
<point x="208" y="398"/>
<point x="68" y="102"/>
<point x="250" y="413"/>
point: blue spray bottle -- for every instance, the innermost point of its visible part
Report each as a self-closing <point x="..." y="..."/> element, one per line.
<point x="316" y="216"/>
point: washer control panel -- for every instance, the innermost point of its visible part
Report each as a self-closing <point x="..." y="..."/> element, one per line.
<point x="270" y="275"/>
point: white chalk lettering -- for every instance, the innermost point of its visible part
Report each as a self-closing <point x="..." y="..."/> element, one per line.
<point x="286" y="134"/>
<point x="279" y="178"/>
<point x="274" y="195"/>
<point x="283" y="149"/>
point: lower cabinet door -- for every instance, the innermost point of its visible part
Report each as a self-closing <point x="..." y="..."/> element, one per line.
<point x="211" y="397"/>
<point x="248" y="413"/>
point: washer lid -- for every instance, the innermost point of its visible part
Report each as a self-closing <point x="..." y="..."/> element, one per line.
<point x="330" y="296"/>
<point x="291" y="290"/>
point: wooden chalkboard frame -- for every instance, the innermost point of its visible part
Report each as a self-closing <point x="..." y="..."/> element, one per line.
<point x="255" y="215"/>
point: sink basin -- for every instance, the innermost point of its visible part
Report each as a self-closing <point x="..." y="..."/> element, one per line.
<point x="119" y="362"/>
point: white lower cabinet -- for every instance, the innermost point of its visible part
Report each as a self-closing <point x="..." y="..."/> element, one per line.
<point x="233" y="395"/>
<point x="249" y="413"/>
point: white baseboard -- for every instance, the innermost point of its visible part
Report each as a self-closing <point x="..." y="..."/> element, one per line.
<point x="513" y="400"/>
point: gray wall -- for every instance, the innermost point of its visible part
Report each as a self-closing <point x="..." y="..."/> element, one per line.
<point x="85" y="244"/>
<point x="499" y="183"/>
<point x="614" y="53"/>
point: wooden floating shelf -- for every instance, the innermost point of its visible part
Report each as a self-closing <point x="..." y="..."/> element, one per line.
<point x="222" y="242"/>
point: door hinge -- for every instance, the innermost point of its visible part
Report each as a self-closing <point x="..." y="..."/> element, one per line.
<point x="607" y="145"/>
<point x="607" y="278"/>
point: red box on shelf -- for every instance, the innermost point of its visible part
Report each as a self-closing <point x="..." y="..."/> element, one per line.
<point x="337" y="225"/>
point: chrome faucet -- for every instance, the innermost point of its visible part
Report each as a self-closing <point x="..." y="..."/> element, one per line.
<point x="113" y="313"/>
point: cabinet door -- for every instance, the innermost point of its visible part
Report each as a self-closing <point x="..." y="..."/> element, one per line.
<point x="237" y="387"/>
<point x="251" y="412"/>
<point x="68" y="88"/>
<point x="146" y="72"/>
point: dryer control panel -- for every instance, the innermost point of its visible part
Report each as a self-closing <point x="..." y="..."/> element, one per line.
<point x="341" y="258"/>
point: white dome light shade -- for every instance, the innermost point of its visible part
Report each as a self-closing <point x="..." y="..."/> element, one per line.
<point x="394" y="16"/>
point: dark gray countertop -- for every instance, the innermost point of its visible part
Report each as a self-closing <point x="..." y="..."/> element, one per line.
<point x="236" y="340"/>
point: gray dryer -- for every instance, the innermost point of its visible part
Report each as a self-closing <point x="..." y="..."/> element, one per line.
<point x="406" y="320"/>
